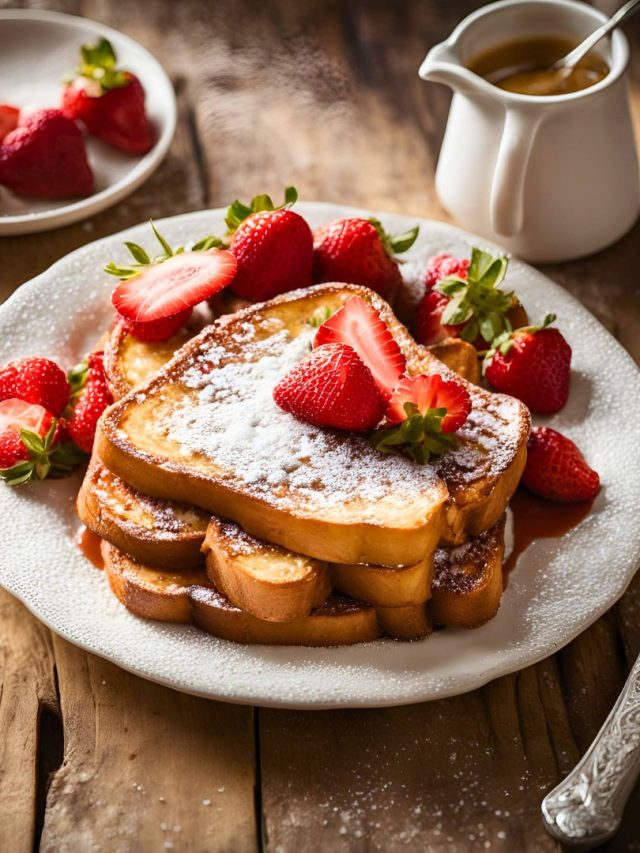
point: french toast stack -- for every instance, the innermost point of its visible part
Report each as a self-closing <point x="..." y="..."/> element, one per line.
<point x="217" y="507"/>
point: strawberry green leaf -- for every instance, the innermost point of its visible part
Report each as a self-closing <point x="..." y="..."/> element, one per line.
<point x="402" y="242"/>
<point x="205" y="243"/>
<point x="451" y="285"/>
<point x="98" y="62"/>
<point x="290" y="196"/>
<point x="419" y="437"/>
<point x="77" y="379"/>
<point x="18" y="474"/>
<point x="458" y="310"/>
<point x="138" y="253"/>
<point x="261" y="202"/>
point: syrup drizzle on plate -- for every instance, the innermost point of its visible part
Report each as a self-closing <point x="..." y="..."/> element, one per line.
<point x="89" y="543"/>
<point x="535" y="518"/>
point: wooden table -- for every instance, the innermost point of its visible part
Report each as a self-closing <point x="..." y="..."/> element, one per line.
<point x="323" y="95"/>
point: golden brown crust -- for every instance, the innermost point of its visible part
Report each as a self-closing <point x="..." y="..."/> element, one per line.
<point x="262" y="579"/>
<point x="128" y="362"/>
<point x="155" y="533"/>
<point x="338" y="622"/>
<point x="150" y="593"/>
<point x="467" y="584"/>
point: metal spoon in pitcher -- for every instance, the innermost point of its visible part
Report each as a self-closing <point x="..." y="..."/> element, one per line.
<point x="566" y="65"/>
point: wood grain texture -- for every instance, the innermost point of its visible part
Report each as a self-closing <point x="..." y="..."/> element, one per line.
<point x="323" y="94"/>
<point x="146" y="768"/>
<point x="27" y="691"/>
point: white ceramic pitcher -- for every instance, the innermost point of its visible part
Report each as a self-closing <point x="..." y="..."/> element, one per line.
<point x="550" y="178"/>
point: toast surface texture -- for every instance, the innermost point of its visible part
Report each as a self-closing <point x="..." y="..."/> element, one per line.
<point x="205" y="430"/>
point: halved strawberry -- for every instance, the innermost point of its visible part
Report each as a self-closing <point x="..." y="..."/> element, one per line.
<point x="9" y="117"/>
<point x="33" y="444"/>
<point x="421" y="416"/>
<point x="20" y="414"/>
<point x="331" y="387"/>
<point x="359" y="325"/>
<point x="178" y="283"/>
<point x="425" y="392"/>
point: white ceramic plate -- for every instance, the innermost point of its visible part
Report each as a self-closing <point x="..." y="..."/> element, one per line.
<point x="37" y="49"/>
<point x="558" y="588"/>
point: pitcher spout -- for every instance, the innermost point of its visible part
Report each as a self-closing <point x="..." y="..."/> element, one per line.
<point x="441" y="65"/>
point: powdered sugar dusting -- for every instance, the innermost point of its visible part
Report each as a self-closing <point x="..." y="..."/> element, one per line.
<point x="237" y="424"/>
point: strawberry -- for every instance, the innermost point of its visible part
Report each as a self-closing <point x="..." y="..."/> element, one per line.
<point x="108" y="101"/>
<point x="475" y="308"/>
<point x="35" y="380"/>
<point x="429" y="328"/>
<point x="166" y="287"/>
<point x="444" y="265"/>
<point x="556" y="469"/>
<point x="332" y="387"/>
<point x="9" y="117"/>
<point x="45" y="157"/>
<point x="359" y="251"/>
<point x="91" y="403"/>
<point x="273" y="247"/>
<point x="533" y="364"/>
<point x="421" y="416"/>
<point x="158" y="330"/>
<point x="359" y="325"/>
<point x="31" y="444"/>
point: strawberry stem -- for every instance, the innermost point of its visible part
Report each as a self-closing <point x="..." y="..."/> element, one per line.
<point x="419" y="437"/>
<point x="237" y="211"/>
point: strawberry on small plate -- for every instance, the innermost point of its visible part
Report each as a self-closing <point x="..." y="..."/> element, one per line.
<point x="33" y="79"/>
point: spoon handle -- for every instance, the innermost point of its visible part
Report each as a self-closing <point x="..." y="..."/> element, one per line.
<point x="586" y="808"/>
<point x="585" y="46"/>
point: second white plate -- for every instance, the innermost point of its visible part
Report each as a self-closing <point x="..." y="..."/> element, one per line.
<point x="37" y="50"/>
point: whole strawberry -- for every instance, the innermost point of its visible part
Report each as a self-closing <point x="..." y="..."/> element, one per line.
<point x="108" y="101"/>
<point x="332" y="387"/>
<point x="464" y="299"/>
<point x="443" y="265"/>
<point x="533" y="364"/>
<point x="273" y="247"/>
<point x="93" y="399"/>
<point x="33" y="444"/>
<point x="359" y="251"/>
<point x="45" y="157"/>
<point x="556" y="469"/>
<point x="36" y="380"/>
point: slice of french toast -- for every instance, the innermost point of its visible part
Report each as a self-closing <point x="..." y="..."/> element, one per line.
<point x="265" y="580"/>
<point x="467" y="583"/>
<point x="153" y="531"/>
<point x="205" y="430"/>
<point x="149" y="592"/>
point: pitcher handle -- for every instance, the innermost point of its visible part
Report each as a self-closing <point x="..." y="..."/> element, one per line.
<point x="506" y="206"/>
